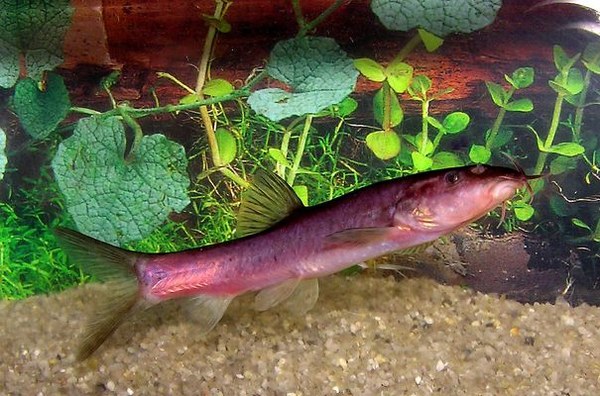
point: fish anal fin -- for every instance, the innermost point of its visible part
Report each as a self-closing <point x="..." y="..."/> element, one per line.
<point x="304" y="297"/>
<point x="206" y="311"/>
<point x="273" y="295"/>
<point x="268" y="200"/>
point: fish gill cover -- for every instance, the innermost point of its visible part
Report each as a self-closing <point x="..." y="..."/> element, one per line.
<point x="115" y="197"/>
<point x="34" y="29"/>
<point x="440" y="17"/>
<point x="318" y="71"/>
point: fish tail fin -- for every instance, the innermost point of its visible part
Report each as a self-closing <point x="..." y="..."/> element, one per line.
<point x="117" y="267"/>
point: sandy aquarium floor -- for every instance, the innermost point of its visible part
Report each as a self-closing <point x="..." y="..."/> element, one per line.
<point x="366" y="336"/>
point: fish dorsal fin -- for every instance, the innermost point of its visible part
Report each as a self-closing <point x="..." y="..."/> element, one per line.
<point x="268" y="200"/>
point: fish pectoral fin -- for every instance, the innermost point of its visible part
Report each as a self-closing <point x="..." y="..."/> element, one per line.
<point x="304" y="297"/>
<point x="360" y="236"/>
<point x="273" y="295"/>
<point x="206" y="311"/>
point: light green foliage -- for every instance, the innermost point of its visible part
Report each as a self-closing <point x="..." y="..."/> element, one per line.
<point x="440" y="17"/>
<point x="399" y="75"/>
<point x="523" y="210"/>
<point x="453" y="123"/>
<point x="430" y="40"/>
<point x="34" y="29"/>
<point x="227" y="145"/>
<point x="384" y="144"/>
<point x="479" y="154"/>
<point x="2" y="153"/>
<point x="112" y="198"/>
<point x="317" y="70"/>
<point x="40" y="111"/>
<point x="217" y="87"/>
<point x="396" y="112"/>
<point x="591" y="57"/>
<point x="568" y="149"/>
<point x="370" y="69"/>
<point x="521" y="78"/>
<point x="421" y="162"/>
<point x="446" y="159"/>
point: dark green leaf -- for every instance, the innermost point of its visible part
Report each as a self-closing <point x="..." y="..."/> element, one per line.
<point x="560" y="207"/>
<point x="319" y="73"/>
<point x="562" y="164"/>
<point x="561" y="60"/>
<point x="114" y="199"/>
<point x="34" y="29"/>
<point x="370" y="69"/>
<point x="503" y="137"/>
<point x="2" y="153"/>
<point x="345" y="107"/>
<point x="591" y="57"/>
<point x="445" y="159"/>
<point x="440" y="17"/>
<point x="384" y="145"/>
<point x="396" y="113"/>
<point x="40" y="112"/>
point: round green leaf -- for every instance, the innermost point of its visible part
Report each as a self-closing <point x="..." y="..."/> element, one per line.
<point x="278" y="156"/>
<point x="479" y="154"/>
<point x="523" y="211"/>
<point x="498" y="94"/>
<point x="421" y="162"/>
<point x="227" y="145"/>
<point x="217" y="87"/>
<point x="562" y="164"/>
<point x="568" y="149"/>
<point x="523" y="105"/>
<point x="440" y="17"/>
<point x="419" y="86"/>
<point x="399" y="76"/>
<point x="591" y="57"/>
<point x="40" y="112"/>
<point x="316" y="69"/>
<point x="370" y="69"/>
<point x="345" y="107"/>
<point x="114" y="199"/>
<point x="418" y="142"/>
<point x="384" y="145"/>
<point x="456" y="122"/>
<point x="396" y="113"/>
<point x="521" y="78"/>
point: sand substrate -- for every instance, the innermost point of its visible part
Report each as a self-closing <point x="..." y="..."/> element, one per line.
<point x="366" y="336"/>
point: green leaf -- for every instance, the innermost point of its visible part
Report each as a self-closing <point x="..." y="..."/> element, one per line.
<point x="440" y="17"/>
<point x="396" y="113"/>
<point x="227" y="145"/>
<point x="370" y="69"/>
<point x="218" y="23"/>
<point x="435" y="123"/>
<point x="3" y="160"/>
<point x="503" y="137"/>
<point x="40" y="112"/>
<point x="399" y="76"/>
<point x="34" y="30"/>
<point x="278" y="156"/>
<point x="591" y="57"/>
<point x="579" y="223"/>
<point x="419" y="86"/>
<point x="346" y="107"/>
<point x="302" y="193"/>
<point x="498" y="94"/>
<point x="428" y="149"/>
<point x="521" y="78"/>
<point x="430" y="40"/>
<point x="561" y="60"/>
<point x="560" y="207"/>
<point x="446" y="159"/>
<point x="189" y="98"/>
<point x="568" y="149"/>
<point x="523" y="105"/>
<point x="421" y="162"/>
<point x="114" y="199"/>
<point x="523" y="211"/>
<point x="571" y="85"/>
<point x="217" y="87"/>
<point x="562" y="164"/>
<point x="456" y="122"/>
<point x="479" y="154"/>
<point x="319" y="73"/>
<point x="384" y="145"/>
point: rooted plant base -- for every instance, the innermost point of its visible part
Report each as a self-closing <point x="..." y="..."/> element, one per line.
<point x="366" y="335"/>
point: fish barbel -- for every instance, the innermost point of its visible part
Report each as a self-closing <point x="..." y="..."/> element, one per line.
<point x="283" y="246"/>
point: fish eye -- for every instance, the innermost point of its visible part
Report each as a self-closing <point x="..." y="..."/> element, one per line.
<point x="452" y="177"/>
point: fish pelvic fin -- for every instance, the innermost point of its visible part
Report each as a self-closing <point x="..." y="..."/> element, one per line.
<point x="117" y="267"/>
<point x="295" y="295"/>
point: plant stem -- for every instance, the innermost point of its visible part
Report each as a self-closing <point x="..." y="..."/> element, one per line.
<point x="541" y="162"/>
<point x="324" y="15"/>
<point x="408" y="48"/>
<point x="298" y="13"/>
<point x="496" y="126"/>
<point x="137" y="131"/>
<point x="84" y="110"/>
<point x="169" y="76"/>
<point x="387" y="107"/>
<point x="578" y="120"/>
<point x="300" y="149"/>
<point x="285" y="143"/>
<point x="424" y="126"/>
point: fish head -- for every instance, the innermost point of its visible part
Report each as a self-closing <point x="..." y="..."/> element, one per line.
<point x="445" y="200"/>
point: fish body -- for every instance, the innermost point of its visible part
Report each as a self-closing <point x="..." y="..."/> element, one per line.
<point x="284" y="247"/>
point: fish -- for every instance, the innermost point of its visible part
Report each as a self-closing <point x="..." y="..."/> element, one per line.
<point x="282" y="247"/>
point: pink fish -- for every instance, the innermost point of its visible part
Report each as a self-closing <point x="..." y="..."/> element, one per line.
<point x="283" y="247"/>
